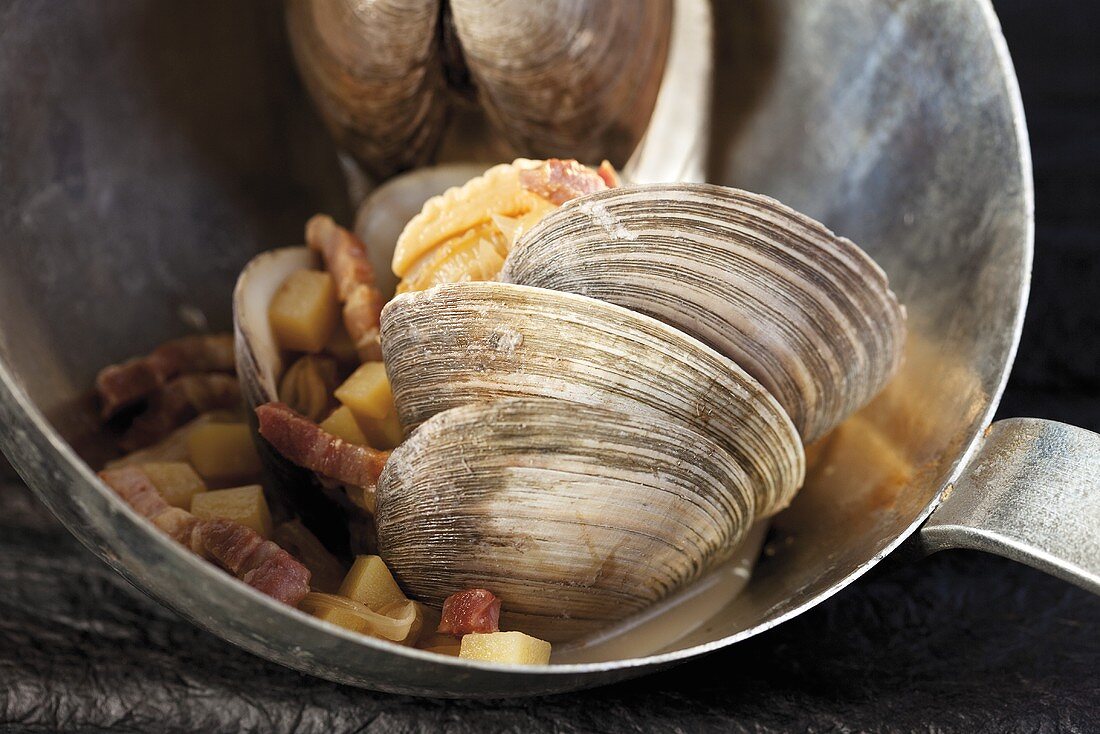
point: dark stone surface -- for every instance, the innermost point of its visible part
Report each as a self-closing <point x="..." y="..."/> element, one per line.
<point x="957" y="642"/>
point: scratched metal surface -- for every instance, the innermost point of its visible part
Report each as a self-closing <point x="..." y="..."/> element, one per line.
<point x="957" y="642"/>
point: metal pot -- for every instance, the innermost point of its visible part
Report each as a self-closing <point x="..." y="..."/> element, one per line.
<point x="148" y="150"/>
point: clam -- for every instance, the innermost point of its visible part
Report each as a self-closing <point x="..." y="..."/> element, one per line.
<point x="576" y="516"/>
<point x="548" y="74"/>
<point x="805" y="312"/>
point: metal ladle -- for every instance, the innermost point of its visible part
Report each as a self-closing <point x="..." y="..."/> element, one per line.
<point x="143" y="165"/>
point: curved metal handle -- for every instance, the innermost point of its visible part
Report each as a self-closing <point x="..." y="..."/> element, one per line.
<point x="1031" y="493"/>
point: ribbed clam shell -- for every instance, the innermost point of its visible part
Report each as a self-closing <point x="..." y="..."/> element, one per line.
<point x="805" y="312"/>
<point x="566" y="78"/>
<point x="469" y="342"/>
<point x="575" y="516"/>
<point x="374" y="71"/>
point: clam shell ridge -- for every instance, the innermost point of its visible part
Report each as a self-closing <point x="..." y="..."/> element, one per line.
<point x="575" y="516"/>
<point x="805" y="312"/>
<point x="472" y="342"/>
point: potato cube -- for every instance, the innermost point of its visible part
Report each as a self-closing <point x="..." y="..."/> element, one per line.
<point x="304" y="311"/>
<point x="223" y="451"/>
<point x="176" y="481"/>
<point x="505" y="647"/>
<point x="245" y="505"/>
<point x="342" y="424"/>
<point x="370" y="582"/>
<point x="383" y="433"/>
<point x="367" y="392"/>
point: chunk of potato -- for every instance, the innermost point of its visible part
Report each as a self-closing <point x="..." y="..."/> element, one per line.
<point x="342" y="424"/>
<point x="505" y="647"/>
<point x="223" y="452"/>
<point x="367" y="392"/>
<point x="245" y="505"/>
<point x="304" y="311"/>
<point x="370" y="582"/>
<point x="176" y="481"/>
<point x="383" y="433"/>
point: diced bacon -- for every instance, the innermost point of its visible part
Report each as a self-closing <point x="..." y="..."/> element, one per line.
<point x="232" y="546"/>
<point x="124" y="384"/>
<point x="180" y="400"/>
<point x="473" y="610"/>
<point x="303" y="442"/>
<point x="559" y="181"/>
<point x="259" y="563"/>
<point x="345" y="257"/>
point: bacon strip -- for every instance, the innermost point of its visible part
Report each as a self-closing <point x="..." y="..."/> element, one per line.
<point x="473" y="610"/>
<point x="306" y="444"/>
<point x="259" y="563"/>
<point x="179" y="401"/>
<point x="124" y="384"/>
<point x="346" y="259"/>
<point x="235" y="548"/>
<point x="559" y="181"/>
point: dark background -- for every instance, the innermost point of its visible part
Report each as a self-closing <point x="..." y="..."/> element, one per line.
<point x="957" y="642"/>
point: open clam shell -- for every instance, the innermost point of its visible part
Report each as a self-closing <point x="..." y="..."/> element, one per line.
<point x="259" y="368"/>
<point x="472" y="342"/>
<point x="805" y="312"/>
<point x="575" y="516"/>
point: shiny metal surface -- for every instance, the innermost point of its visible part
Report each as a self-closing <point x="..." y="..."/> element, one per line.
<point x="147" y="150"/>
<point x="1032" y="494"/>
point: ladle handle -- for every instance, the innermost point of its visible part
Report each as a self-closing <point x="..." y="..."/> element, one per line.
<point x="1030" y="493"/>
